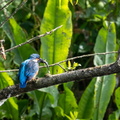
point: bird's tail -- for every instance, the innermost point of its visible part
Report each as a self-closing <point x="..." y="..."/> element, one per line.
<point x="23" y="85"/>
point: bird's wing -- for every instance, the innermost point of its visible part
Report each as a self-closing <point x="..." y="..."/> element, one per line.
<point x="21" y="75"/>
<point x="31" y="69"/>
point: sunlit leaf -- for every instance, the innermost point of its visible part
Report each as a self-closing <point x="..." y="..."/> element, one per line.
<point x="55" y="47"/>
<point x="59" y="111"/>
<point x="5" y="78"/>
<point x="117" y="97"/>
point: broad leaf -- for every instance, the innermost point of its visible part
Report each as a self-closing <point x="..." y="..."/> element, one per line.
<point x="104" y="86"/>
<point x="85" y="106"/>
<point x="5" y="79"/>
<point x="96" y="97"/>
<point x="115" y="115"/>
<point x="10" y="106"/>
<point x="117" y="97"/>
<point x="17" y="36"/>
<point x="44" y="99"/>
<point x="10" y="109"/>
<point x="67" y="101"/>
<point x="55" y="47"/>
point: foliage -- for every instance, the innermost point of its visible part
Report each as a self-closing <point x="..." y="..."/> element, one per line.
<point x="88" y="26"/>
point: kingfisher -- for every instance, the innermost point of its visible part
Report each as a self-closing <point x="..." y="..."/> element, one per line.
<point x="29" y="69"/>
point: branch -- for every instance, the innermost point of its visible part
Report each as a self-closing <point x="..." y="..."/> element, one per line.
<point x="19" y="7"/>
<point x="76" y="75"/>
<point x="58" y="63"/>
<point x="34" y="38"/>
<point x="6" y="5"/>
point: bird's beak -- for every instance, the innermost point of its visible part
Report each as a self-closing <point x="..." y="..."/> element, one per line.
<point x="43" y="61"/>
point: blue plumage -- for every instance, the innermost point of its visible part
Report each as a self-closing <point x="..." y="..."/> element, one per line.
<point x="21" y="75"/>
<point x="29" y="69"/>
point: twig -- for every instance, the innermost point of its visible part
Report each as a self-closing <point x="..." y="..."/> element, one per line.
<point x="88" y="55"/>
<point x="2" y="49"/>
<point x="62" y="67"/>
<point x="82" y="56"/>
<point x="73" y="58"/>
<point x="19" y="7"/>
<point x="6" y="4"/>
<point x="14" y="70"/>
<point x="1" y="2"/>
<point x="34" y="38"/>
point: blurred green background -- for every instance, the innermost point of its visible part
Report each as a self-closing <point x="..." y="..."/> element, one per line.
<point x="89" y="26"/>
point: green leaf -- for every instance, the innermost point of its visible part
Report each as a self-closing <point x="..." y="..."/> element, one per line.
<point x="117" y="97"/>
<point x="82" y="3"/>
<point x="5" y="79"/>
<point x="52" y="93"/>
<point x="100" y="46"/>
<point x="115" y="115"/>
<point x="22" y="105"/>
<point x="44" y="99"/>
<point x="38" y="98"/>
<point x="10" y="109"/>
<point x="104" y="86"/>
<point x="59" y="111"/>
<point x="67" y="101"/>
<point x="86" y="103"/>
<point x="55" y="47"/>
<point x="9" y="106"/>
<point x="67" y="106"/>
<point x="17" y="36"/>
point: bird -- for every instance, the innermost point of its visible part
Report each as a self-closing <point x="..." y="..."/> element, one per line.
<point x="29" y="69"/>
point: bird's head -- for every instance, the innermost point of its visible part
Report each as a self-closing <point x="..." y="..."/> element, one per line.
<point x="34" y="56"/>
<point x="38" y="59"/>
